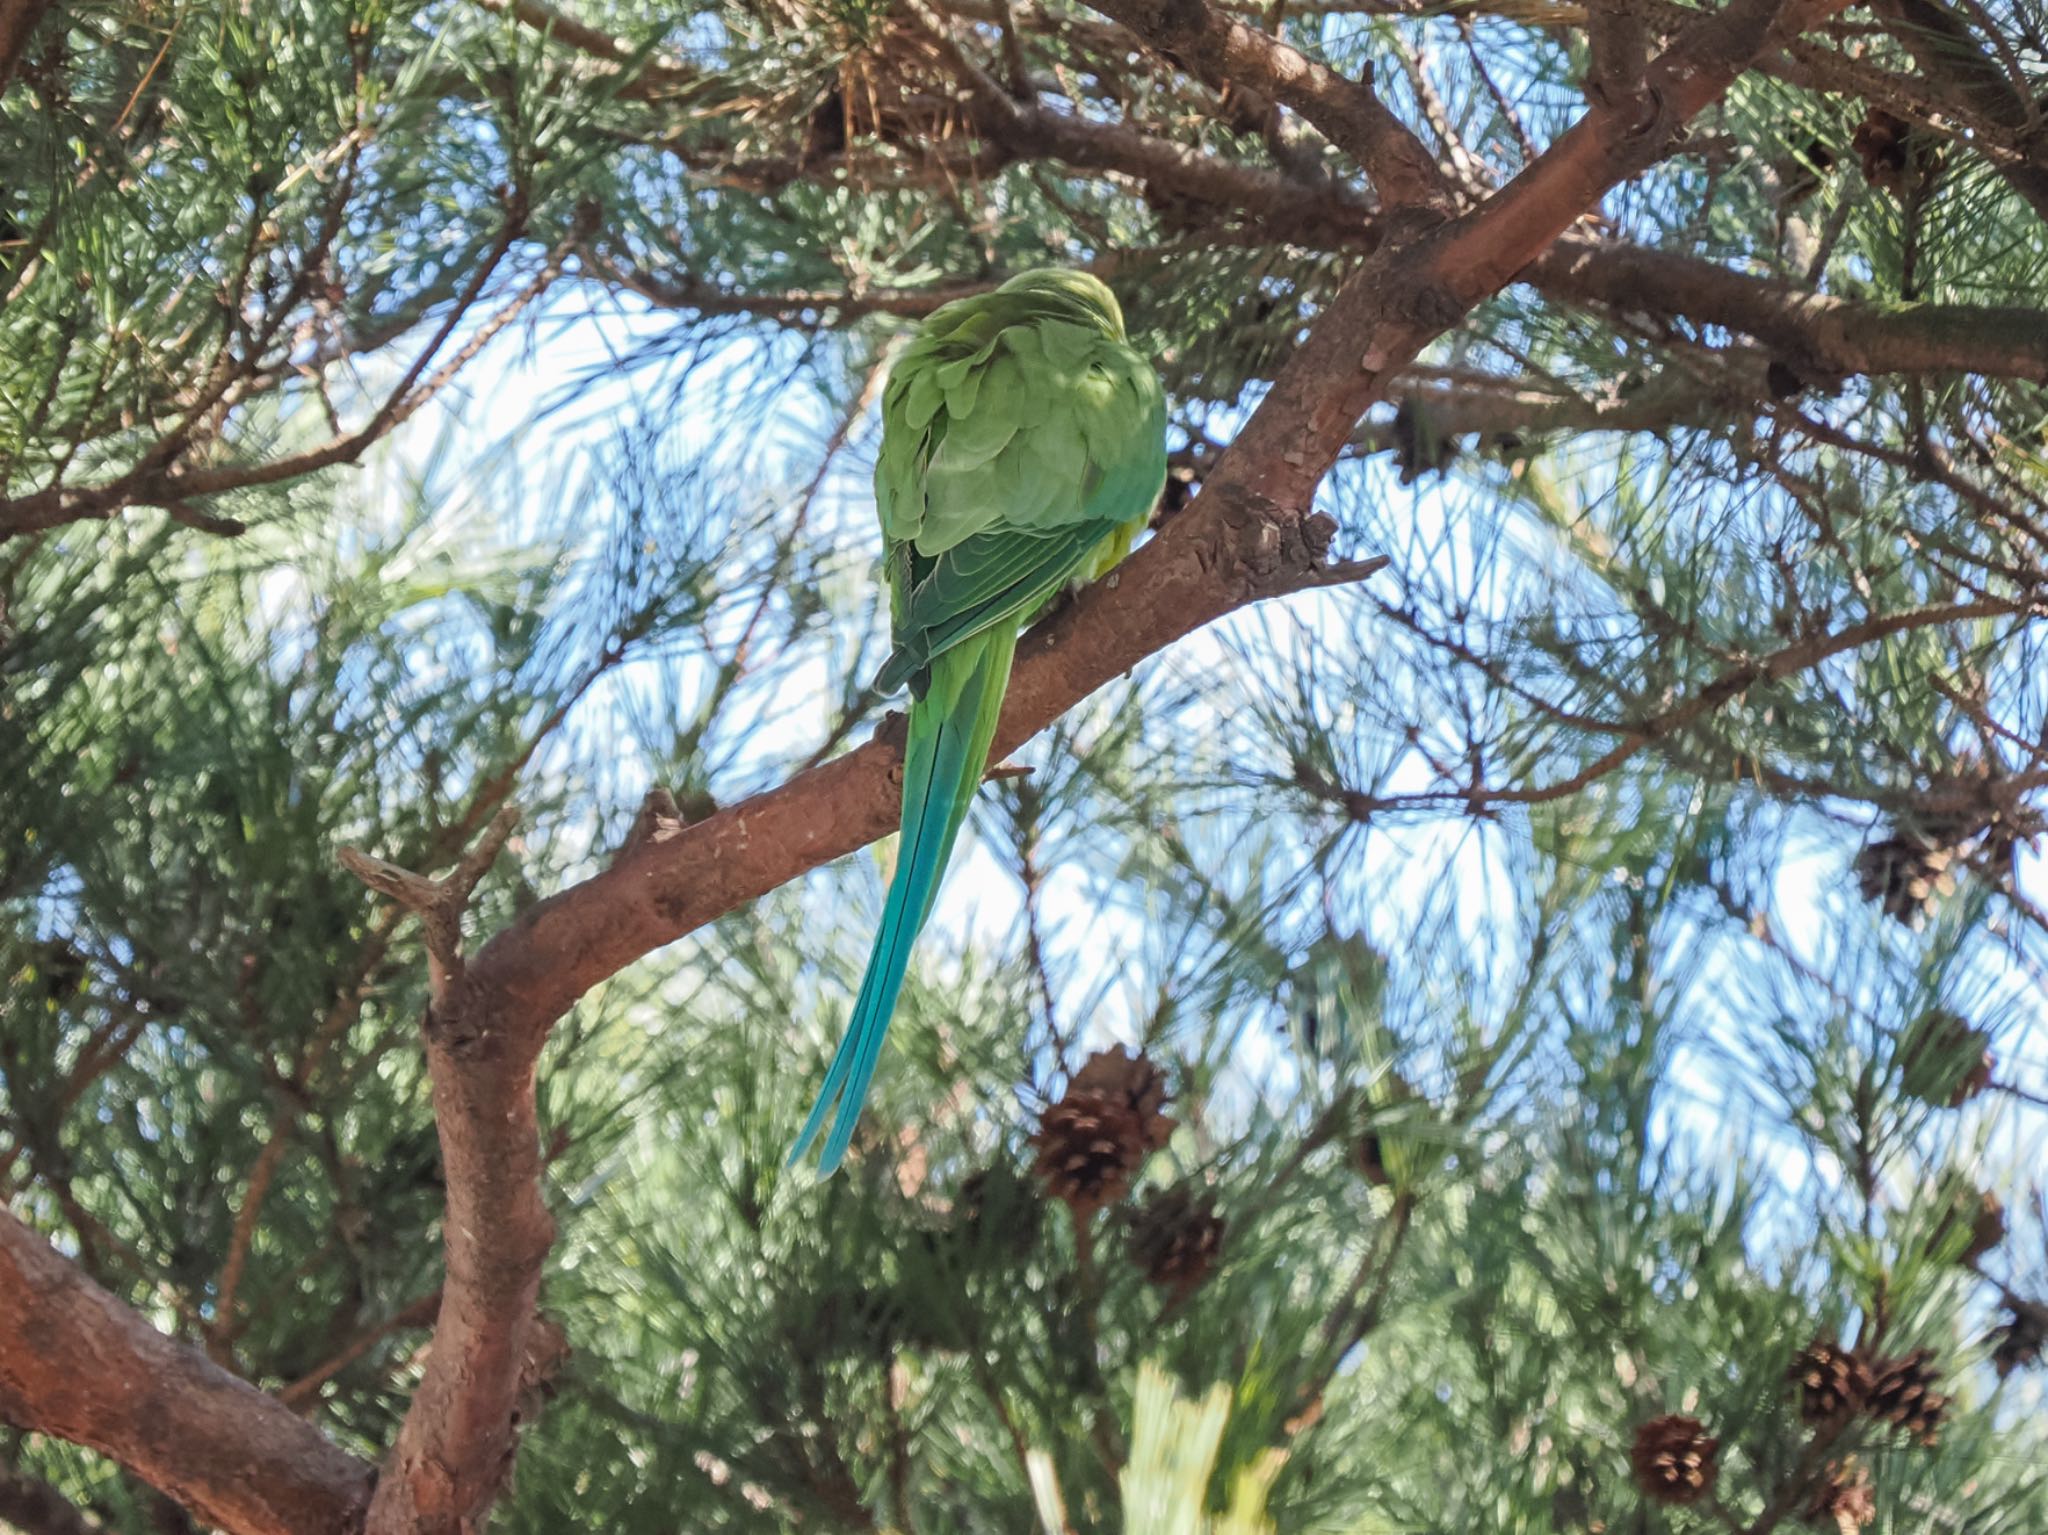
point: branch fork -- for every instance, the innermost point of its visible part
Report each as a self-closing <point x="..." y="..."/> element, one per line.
<point x="438" y="903"/>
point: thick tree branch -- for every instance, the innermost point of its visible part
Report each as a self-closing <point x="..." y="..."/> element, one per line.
<point x="1349" y="113"/>
<point x="1463" y="407"/>
<point x="1813" y="332"/>
<point x="1284" y="206"/>
<point x="1829" y="337"/>
<point x="77" y="1363"/>
<point x="1620" y="51"/>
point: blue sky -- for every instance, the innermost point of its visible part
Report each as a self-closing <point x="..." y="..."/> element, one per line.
<point x="1713" y="1108"/>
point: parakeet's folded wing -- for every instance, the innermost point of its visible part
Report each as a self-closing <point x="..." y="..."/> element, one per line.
<point x="1024" y="444"/>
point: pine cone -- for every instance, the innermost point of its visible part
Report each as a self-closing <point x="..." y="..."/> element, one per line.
<point x="2020" y="1341"/>
<point x="1843" y="1498"/>
<point x="1880" y="144"/>
<point x="1133" y="1079"/>
<point x="1902" y="1394"/>
<point x="1093" y="1141"/>
<point x="1832" y="1381"/>
<point x="1908" y="873"/>
<point x="1896" y="156"/>
<point x="1176" y="1239"/>
<point x="1944" y="1062"/>
<point x="1674" y="1459"/>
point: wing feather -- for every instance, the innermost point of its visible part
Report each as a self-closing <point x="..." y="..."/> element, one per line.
<point x="1017" y="442"/>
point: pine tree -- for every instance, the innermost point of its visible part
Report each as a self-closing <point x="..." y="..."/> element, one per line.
<point x="1530" y="1022"/>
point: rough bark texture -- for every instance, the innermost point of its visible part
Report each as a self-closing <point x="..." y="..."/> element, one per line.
<point x="81" y="1365"/>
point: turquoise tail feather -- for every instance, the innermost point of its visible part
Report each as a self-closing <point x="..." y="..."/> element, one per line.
<point x="951" y="729"/>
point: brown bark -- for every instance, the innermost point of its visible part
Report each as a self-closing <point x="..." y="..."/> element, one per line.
<point x="18" y="22"/>
<point x="1833" y="337"/>
<point x="1821" y="334"/>
<point x="652" y="74"/>
<point x="1348" y="112"/>
<point x="81" y="1365"/>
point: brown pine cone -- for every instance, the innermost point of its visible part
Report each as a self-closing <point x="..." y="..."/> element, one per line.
<point x="1674" y="1458"/>
<point x="1176" y="1239"/>
<point x="1987" y="1225"/>
<point x="1902" y="1394"/>
<point x="1093" y="1141"/>
<point x="1907" y="874"/>
<point x="1134" y="1079"/>
<point x="1880" y="144"/>
<point x="1843" y="1498"/>
<point x="1832" y="1381"/>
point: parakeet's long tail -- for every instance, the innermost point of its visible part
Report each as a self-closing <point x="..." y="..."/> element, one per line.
<point x="951" y="728"/>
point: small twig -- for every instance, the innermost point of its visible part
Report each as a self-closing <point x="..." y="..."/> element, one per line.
<point x="438" y="903"/>
<point x="658" y="819"/>
<point x="1013" y="53"/>
<point x="2014" y="1090"/>
<point x="1505" y="107"/>
<point x="306" y="1388"/>
<point x="1344" y="572"/>
<point x="205" y="522"/>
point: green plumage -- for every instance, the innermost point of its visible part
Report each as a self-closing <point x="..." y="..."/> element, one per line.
<point x="1023" y="447"/>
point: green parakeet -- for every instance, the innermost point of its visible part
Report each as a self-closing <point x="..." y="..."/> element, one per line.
<point x="1023" y="447"/>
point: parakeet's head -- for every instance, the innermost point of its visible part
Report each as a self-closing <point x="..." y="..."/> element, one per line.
<point x="1075" y="290"/>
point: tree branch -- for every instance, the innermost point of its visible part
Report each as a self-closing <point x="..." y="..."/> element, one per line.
<point x="1466" y="407"/>
<point x="1349" y="113"/>
<point x="1615" y="38"/>
<point x="18" y="22"/>
<point x="77" y="1363"/>
<point x="438" y="903"/>
<point x="1824" y="336"/>
<point x="1247" y="536"/>
<point x="648" y="73"/>
<point x="1285" y="206"/>
<point x="1949" y="53"/>
<point x="150" y="483"/>
<point x="306" y="1389"/>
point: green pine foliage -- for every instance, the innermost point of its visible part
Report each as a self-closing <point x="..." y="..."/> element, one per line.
<point x="1574" y="957"/>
